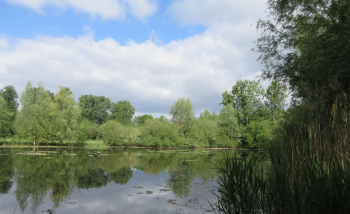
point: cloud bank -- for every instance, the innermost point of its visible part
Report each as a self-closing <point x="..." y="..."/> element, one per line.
<point x="150" y="75"/>
<point x="106" y="9"/>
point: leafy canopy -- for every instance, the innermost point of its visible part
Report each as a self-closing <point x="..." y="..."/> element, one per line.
<point x="95" y="108"/>
<point x="122" y="112"/>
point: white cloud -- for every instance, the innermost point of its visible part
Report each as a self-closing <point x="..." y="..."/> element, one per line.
<point x="212" y="12"/>
<point x="150" y="76"/>
<point x="3" y="43"/>
<point x="106" y="9"/>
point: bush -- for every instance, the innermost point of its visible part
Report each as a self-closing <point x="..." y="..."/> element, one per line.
<point x="205" y="132"/>
<point x="114" y="133"/>
<point x="86" y="130"/>
<point x="258" y="134"/>
<point x="160" y="133"/>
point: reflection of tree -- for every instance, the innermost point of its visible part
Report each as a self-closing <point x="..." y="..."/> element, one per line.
<point x="181" y="175"/>
<point x="122" y="176"/>
<point x="6" y="174"/>
<point x="36" y="175"/>
<point x="94" y="178"/>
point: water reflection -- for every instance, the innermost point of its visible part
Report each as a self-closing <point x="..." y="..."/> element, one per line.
<point x="87" y="181"/>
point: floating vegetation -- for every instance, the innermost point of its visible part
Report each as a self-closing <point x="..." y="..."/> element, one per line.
<point x="31" y="153"/>
<point x="164" y="190"/>
<point x="149" y="192"/>
<point x="137" y="187"/>
<point x="140" y="193"/>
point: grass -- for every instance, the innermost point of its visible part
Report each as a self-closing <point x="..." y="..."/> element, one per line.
<point x="95" y="143"/>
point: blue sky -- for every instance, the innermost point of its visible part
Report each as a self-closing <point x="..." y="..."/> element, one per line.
<point x="149" y="52"/>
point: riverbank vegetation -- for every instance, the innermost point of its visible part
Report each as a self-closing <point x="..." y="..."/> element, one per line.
<point x="305" y="44"/>
<point x="247" y="119"/>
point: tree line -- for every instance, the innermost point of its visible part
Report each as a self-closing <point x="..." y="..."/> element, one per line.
<point x="248" y="116"/>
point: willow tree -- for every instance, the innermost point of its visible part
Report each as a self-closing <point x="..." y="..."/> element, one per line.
<point x="61" y="113"/>
<point x="30" y="121"/>
<point x="44" y="117"/>
<point x="182" y="112"/>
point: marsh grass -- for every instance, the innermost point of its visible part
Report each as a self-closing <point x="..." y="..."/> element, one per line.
<point x="310" y="166"/>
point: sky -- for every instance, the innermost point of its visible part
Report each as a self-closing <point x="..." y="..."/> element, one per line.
<point x="149" y="52"/>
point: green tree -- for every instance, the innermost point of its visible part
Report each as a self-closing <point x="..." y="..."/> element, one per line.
<point x="122" y="112"/>
<point x="228" y="122"/>
<point x="206" y="114"/>
<point x="306" y="43"/>
<point x="62" y="114"/>
<point x="182" y="112"/>
<point x="6" y="118"/>
<point x="246" y="96"/>
<point x="140" y="120"/>
<point x="95" y="108"/>
<point x="30" y="121"/>
<point x="9" y="94"/>
<point x="276" y="98"/>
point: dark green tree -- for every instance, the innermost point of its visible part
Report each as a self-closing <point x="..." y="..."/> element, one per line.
<point x="306" y="43"/>
<point x="9" y="94"/>
<point x="122" y="112"/>
<point x="140" y="120"/>
<point x="95" y="108"/>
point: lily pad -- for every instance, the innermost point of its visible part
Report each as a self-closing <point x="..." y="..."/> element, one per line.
<point x="149" y="192"/>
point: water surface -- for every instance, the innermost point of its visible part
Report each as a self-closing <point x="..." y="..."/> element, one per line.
<point x="108" y="181"/>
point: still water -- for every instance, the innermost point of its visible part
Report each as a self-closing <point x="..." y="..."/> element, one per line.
<point x="109" y="181"/>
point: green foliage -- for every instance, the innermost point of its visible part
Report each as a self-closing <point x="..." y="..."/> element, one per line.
<point x="182" y="112"/>
<point x="95" y="108"/>
<point x="9" y="94"/>
<point x="258" y="134"/>
<point x="140" y="120"/>
<point x="228" y="122"/>
<point x="30" y="121"/>
<point x="159" y="133"/>
<point x="86" y="130"/>
<point x="246" y="96"/>
<point x="122" y="112"/>
<point x="241" y="189"/>
<point x="114" y="133"/>
<point x="307" y="44"/>
<point x="6" y="118"/>
<point x="276" y="98"/>
<point x="208" y="115"/>
<point x="43" y="119"/>
<point x="61" y="115"/>
<point x="205" y="132"/>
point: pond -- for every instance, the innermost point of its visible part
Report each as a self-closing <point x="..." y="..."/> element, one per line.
<point x="67" y="180"/>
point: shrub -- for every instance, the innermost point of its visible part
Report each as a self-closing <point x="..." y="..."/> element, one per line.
<point x="114" y="133"/>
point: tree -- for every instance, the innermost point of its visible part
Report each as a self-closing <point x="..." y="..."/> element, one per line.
<point x="62" y="114"/>
<point x="140" y="120"/>
<point x="228" y="122"/>
<point x="6" y="118"/>
<point x="122" y="112"/>
<point x="182" y="112"/>
<point x="9" y="94"/>
<point x="246" y="97"/>
<point x="307" y="45"/>
<point x="95" y="108"/>
<point x="208" y="115"/>
<point x="276" y="97"/>
<point x="30" y="121"/>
